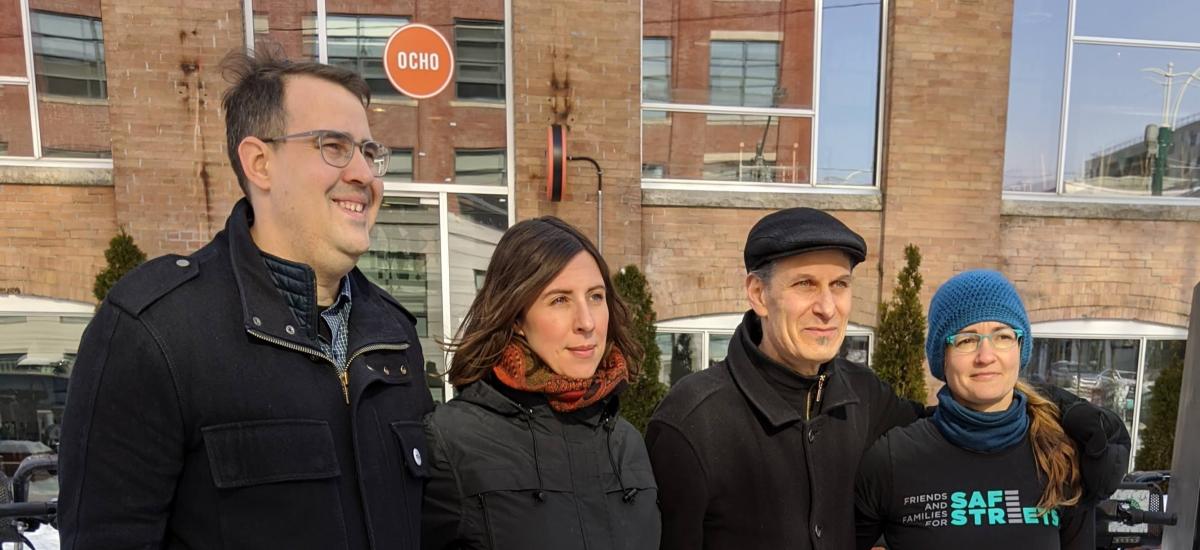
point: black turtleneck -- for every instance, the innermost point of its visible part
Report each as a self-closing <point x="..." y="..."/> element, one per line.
<point x="793" y="387"/>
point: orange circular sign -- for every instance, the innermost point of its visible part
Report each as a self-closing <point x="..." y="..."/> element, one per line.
<point x="418" y="61"/>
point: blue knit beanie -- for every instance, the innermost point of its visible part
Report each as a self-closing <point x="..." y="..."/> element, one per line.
<point x="968" y="298"/>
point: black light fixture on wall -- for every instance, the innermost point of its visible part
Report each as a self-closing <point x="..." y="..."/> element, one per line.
<point x="556" y="174"/>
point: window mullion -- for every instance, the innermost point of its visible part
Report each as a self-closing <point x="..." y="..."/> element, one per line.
<point x="35" y="133"/>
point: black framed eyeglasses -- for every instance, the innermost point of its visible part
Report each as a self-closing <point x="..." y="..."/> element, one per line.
<point x="337" y="148"/>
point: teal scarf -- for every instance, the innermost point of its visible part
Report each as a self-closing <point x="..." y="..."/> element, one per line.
<point x="978" y="431"/>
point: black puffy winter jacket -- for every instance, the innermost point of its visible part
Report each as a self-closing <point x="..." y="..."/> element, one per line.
<point x="514" y="474"/>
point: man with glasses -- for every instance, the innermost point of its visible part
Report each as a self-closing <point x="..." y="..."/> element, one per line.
<point x="261" y="392"/>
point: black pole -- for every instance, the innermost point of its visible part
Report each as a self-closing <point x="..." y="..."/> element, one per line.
<point x="599" y="199"/>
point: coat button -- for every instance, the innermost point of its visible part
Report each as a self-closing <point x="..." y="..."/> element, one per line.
<point x="289" y="329"/>
<point x="257" y="321"/>
<point x="182" y="262"/>
<point x="403" y="370"/>
<point x="812" y="435"/>
<point x="817" y="530"/>
<point x="417" y="456"/>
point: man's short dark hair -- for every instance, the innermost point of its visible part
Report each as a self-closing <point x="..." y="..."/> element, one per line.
<point x="254" y="101"/>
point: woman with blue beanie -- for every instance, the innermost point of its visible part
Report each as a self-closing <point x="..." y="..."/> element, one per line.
<point x="992" y="467"/>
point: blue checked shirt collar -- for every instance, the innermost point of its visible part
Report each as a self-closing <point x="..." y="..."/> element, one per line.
<point x="337" y="317"/>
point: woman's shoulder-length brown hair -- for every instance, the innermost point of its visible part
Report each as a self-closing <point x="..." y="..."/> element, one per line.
<point x="527" y="258"/>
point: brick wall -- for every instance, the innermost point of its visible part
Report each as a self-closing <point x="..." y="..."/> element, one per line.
<point x="173" y="184"/>
<point x="947" y="99"/>
<point x="52" y="239"/>
<point x="693" y="259"/>
<point x="1103" y="269"/>
<point x="587" y="77"/>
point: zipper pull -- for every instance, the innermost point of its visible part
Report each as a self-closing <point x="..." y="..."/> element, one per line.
<point x="344" y="378"/>
<point x="820" y="388"/>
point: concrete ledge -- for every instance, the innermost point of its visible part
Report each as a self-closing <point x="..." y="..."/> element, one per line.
<point x="1104" y="210"/>
<point x="761" y="199"/>
<point x="56" y="175"/>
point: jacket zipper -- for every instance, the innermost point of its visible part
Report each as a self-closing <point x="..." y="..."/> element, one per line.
<point x="808" y="400"/>
<point x="342" y="374"/>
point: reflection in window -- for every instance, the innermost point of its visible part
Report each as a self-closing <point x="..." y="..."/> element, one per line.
<point x="400" y="166"/>
<point x="479" y="166"/>
<point x="1129" y="112"/>
<point x="849" y="92"/>
<point x="1173" y="20"/>
<point x="856" y="348"/>
<point x="1117" y="93"/>
<point x="403" y="275"/>
<point x="656" y="69"/>
<point x="485" y="210"/>
<point x="37" y="354"/>
<point x="1035" y="95"/>
<point x="744" y="73"/>
<point x="680" y="355"/>
<point x="1101" y="371"/>
<point x="356" y="42"/>
<point x="479" y="59"/>
<point x="68" y="55"/>
<point x="404" y="259"/>
<point x="718" y="347"/>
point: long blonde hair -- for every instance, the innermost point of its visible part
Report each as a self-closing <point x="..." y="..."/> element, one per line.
<point x="1055" y="453"/>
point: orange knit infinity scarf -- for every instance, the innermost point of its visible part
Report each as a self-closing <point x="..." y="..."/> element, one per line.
<point x="520" y="369"/>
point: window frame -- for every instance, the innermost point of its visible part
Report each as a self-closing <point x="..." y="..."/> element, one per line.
<point x="1060" y="194"/>
<point x="682" y="184"/>
<point x="35" y="129"/>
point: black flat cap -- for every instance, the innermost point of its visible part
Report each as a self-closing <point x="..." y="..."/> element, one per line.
<point x="796" y="231"/>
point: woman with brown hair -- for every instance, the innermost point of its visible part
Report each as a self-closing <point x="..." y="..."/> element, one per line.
<point x="532" y="453"/>
<point x="992" y="467"/>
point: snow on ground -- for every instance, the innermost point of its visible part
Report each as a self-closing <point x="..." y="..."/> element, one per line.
<point x="45" y="538"/>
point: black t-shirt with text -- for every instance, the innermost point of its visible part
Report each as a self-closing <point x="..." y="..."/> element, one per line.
<point x="920" y="491"/>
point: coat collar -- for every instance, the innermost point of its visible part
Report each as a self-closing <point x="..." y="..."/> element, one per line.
<point x="266" y="311"/>
<point x="761" y="395"/>
<point x="484" y="394"/>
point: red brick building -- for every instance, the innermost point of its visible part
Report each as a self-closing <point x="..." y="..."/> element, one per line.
<point x="964" y="127"/>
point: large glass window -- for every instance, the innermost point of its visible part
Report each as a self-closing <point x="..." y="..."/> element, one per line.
<point x="1112" y="364"/>
<point x="479" y="60"/>
<point x="61" y="110"/>
<point x="744" y="100"/>
<point x="1123" y="128"/>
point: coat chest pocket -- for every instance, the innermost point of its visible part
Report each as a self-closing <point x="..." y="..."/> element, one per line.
<point x="514" y="516"/>
<point x="633" y="508"/>
<point x="277" y="483"/>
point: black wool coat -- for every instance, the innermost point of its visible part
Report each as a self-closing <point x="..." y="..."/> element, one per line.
<point x="509" y="475"/>
<point x="202" y="414"/>
<point x="739" y="468"/>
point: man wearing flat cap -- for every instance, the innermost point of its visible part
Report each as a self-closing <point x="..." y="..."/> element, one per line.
<point x="762" y="449"/>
